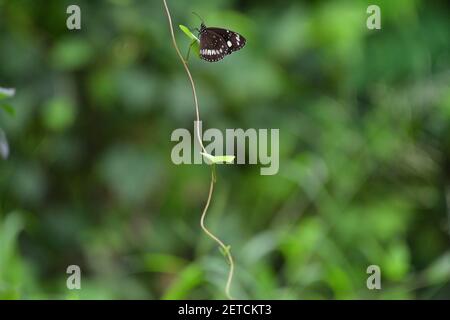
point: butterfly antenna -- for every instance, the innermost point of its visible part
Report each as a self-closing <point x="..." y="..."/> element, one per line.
<point x="195" y="13"/>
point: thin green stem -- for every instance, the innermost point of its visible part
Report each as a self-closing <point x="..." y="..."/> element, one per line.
<point x="191" y="80"/>
<point x="225" y="248"/>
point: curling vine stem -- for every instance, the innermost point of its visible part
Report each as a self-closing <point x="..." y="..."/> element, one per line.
<point x="226" y="249"/>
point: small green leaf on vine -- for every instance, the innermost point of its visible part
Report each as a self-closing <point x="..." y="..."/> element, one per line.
<point x="188" y="33"/>
<point x="195" y="42"/>
<point x="218" y="159"/>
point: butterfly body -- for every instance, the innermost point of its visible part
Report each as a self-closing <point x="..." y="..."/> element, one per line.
<point x="216" y="43"/>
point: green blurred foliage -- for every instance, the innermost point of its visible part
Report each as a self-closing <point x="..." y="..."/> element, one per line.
<point x="364" y="118"/>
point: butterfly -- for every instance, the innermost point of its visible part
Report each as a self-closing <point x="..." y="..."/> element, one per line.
<point x="216" y="43"/>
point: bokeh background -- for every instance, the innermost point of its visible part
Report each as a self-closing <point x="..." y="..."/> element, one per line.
<point x="364" y="119"/>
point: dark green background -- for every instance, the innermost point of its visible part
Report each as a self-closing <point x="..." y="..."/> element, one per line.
<point x="364" y="119"/>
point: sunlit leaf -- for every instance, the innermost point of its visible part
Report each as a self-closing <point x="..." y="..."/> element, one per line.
<point x="188" y="33"/>
<point x="218" y="159"/>
<point x="195" y="44"/>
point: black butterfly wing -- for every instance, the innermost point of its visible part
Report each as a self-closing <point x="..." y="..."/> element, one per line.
<point x="233" y="40"/>
<point x="213" y="46"/>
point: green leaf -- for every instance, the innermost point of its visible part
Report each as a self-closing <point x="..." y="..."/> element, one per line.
<point x="188" y="33"/>
<point x="195" y="46"/>
<point x="195" y="42"/>
<point x="218" y="159"/>
<point x="8" y="108"/>
<point x="186" y="281"/>
<point x="6" y="93"/>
